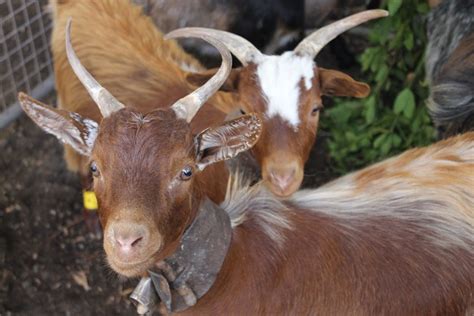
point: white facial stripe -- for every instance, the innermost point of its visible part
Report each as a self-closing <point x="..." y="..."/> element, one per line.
<point x="279" y="78"/>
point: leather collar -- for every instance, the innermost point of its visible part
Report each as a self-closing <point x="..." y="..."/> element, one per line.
<point x="185" y="276"/>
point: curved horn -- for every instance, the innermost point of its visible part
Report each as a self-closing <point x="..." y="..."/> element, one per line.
<point x="313" y="43"/>
<point x="106" y="102"/>
<point x="239" y="46"/>
<point x="188" y="106"/>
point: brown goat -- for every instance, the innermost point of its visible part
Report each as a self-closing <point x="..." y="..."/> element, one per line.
<point x="286" y="90"/>
<point x="396" y="238"/>
<point x="125" y="52"/>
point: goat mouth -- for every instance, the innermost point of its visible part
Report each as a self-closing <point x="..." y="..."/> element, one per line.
<point x="130" y="269"/>
<point x="283" y="193"/>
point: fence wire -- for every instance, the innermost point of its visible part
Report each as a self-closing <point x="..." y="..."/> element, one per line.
<point x="25" y="59"/>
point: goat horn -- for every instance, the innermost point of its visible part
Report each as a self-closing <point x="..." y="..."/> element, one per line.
<point x="239" y="46"/>
<point x="313" y="43"/>
<point x="106" y="102"/>
<point x="188" y="106"/>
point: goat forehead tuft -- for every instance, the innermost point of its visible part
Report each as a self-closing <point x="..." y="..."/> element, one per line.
<point x="279" y="78"/>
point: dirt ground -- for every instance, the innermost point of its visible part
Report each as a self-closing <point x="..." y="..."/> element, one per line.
<point x="50" y="264"/>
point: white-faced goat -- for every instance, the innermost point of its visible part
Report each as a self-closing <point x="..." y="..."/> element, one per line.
<point x="396" y="238"/>
<point x="286" y="90"/>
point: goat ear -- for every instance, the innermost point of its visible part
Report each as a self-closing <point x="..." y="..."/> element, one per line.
<point x="68" y="127"/>
<point x="336" y="83"/>
<point x="200" y="78"/>
<point x="227" y="140"/>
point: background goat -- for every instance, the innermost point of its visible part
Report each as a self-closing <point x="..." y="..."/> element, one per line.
<point x="396" y="238"/>
<point x="286" y="90"/>
<point x="450" y="66"/>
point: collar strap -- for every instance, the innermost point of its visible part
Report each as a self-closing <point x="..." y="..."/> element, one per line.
<point x="186" y="275"/>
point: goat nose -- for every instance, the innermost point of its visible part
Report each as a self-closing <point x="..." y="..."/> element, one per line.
<point x="128" y="240"/>
<point x="283" y="178"/>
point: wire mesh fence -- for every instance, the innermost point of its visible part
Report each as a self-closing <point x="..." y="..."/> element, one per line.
<point x="25" y="59"/>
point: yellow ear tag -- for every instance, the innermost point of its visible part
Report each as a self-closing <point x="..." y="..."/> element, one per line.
<point x="90" y="201"/>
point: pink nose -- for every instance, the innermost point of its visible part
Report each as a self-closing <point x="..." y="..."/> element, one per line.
<point x="126" y="243"/>
<point x="128" y="239"/>
<point x="282" y="178"/>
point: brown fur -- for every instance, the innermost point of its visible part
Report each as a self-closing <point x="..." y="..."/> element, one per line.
<point x="324" y="270"/>
<point x="361" y="263"/>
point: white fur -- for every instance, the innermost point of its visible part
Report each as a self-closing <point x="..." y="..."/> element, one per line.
<point x="417" y="206"/>
<point x="242" y="199"/>
<point x="55" y="124"/>
<point x="446" y="209"/>
<point x="91" y="129"/>
<point x="279" y="78"/>
<point x="189" y="67"/>
<point x="436" y="210"/>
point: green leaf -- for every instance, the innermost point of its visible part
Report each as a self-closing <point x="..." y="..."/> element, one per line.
<point x="370" y="110"/>
<point x="423" y="8"/>
<point x="386" y="145"/>
<point x="415" y="124"/>
<point x="382" y="74"/>
<point x="396" y="140"/>
<point x="392" y="119"/>
<point x="409" y="41"/>
<point x="405" y="99"/>
<point x="366" y="58"/>
<point x="350" y="136"/>
<point x="394" y="5"/>
<point x="377" y="62"/>
<point x="379" y="140"/>
<point x="409" y="109"/>
<point x="365" y="142"/>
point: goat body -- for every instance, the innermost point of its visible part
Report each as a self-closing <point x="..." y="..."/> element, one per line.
<point x="396" y="238"/>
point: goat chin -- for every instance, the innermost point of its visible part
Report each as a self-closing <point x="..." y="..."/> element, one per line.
<point x="131" y="269"/>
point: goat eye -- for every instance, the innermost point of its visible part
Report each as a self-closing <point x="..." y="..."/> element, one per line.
<point x="242" y="112"/>
<point x="186" y="173"/>
<point x="94" y="169"/>
<point x="315" y="110"/>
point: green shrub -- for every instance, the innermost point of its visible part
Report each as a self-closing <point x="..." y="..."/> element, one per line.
<point x="394" y="117"/>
